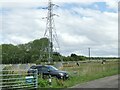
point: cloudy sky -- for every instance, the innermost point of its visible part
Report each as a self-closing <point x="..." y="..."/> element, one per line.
<point x="81" y="24"/>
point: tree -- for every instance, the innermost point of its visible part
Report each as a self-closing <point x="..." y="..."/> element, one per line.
<point x="31" y="52"/>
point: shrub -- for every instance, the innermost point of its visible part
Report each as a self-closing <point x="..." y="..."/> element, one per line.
<point x="42" y="82"/>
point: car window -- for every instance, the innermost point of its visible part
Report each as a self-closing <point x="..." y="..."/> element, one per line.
<point x="39" y="68"/>
<point x="51" y="68"/>
<point x="44" y="69"/>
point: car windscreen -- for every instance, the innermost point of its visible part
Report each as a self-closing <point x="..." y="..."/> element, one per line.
<point x="51" y="68"/>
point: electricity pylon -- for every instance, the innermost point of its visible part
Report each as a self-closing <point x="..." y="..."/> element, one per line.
<point x="50" y="27"/>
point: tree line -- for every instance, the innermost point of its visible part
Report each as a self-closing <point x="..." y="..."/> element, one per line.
<point x="32" y="52"/>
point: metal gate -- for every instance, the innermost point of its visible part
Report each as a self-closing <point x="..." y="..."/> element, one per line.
<point x="18" y="79"/>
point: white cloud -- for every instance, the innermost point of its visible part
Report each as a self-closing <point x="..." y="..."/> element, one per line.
<point x="113" y="4"/>
<point x="100" y="28"/>
<point x="76" y="32"/>
<point x="74" y="39"/>
<point x="57" y="0"/>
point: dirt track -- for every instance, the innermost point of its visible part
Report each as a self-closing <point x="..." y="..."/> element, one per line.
<point x="107" y="82"/>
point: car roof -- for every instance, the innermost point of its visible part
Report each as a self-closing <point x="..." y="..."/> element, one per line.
<point x="36" y="66"/>
<point x="41" y="65"/>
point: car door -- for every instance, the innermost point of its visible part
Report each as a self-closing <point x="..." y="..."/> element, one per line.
<point x="45" y="70"/>
<point x="39" y="68"/>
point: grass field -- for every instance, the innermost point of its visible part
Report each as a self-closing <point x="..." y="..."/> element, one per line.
<point x="86" y="72"/>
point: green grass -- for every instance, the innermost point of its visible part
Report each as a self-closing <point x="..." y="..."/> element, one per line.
<point x="86" y="72"/>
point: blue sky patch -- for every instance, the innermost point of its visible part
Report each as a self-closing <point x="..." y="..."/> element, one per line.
<point x="5" y="11"/>
<point x="101" y="6"/>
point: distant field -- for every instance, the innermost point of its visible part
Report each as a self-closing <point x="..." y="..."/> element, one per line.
<point x="89" y="71"/>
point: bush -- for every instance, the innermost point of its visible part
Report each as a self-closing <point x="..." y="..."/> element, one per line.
<point x="42" y="82"/>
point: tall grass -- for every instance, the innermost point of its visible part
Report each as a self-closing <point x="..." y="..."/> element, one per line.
<point x="89" y="71"/>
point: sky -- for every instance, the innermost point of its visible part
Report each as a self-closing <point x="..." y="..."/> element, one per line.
<point x="81" y="24"/>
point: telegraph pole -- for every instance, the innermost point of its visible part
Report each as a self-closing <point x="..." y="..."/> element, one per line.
<point x="89" y="53"/>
